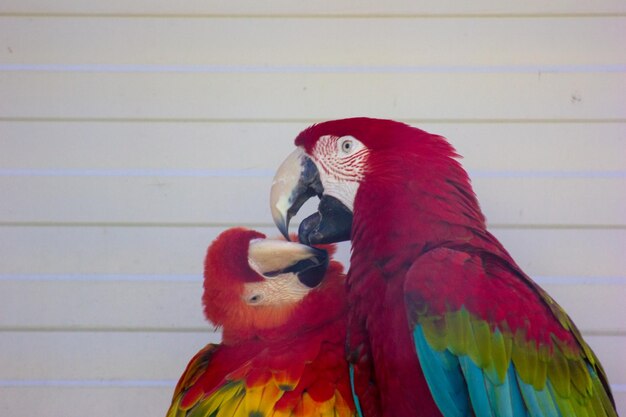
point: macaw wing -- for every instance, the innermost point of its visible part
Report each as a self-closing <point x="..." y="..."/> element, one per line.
<point x="213" y="385"/>
<point x="187" y="393"/>
<point x="222" y="384"/>
<point x="492" y="343"/>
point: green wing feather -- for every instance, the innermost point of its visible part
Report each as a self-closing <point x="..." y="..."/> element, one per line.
<point x="508" y="371"/>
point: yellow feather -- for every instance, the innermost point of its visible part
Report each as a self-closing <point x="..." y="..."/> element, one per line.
<point x="580" y="376"/>
<point x="233" y="407"/>
<point x="341" y="406"/>
<point x="174" y="408"/>
<point x="501" y="354"/>
<point x="253" y="398"/>
<point x="281" y="413"/>
<point x="458" y="331"/>
<point x="558" y="372"/>
<point x="480" y="350"/>
<point x="229" y="392"/>
<point x="327" y="407"/>
<point x="526" y="362"/>
<point x="306" y="406"/>
<point x="269" y="397"/>
<point x="435" y="332"/>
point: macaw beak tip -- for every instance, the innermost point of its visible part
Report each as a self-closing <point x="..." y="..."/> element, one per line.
<point x="296" y="181"/>
<point x="283" y="227"/>
<point x="279" y="206"/>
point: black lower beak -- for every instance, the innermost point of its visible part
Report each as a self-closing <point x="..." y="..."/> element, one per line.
<point x="331" y="223"/>
<point x="310" y="271"/>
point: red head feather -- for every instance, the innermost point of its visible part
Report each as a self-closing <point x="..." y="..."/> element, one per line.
<point x="404" y="163"/>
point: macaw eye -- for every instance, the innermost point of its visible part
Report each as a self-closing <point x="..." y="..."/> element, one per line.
<point x="256" y="298"/>
<point x="346" y="145"/>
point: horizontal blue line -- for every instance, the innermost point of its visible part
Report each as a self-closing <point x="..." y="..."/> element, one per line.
<point x="156" y="172"/>
<point x="308" y="69"/>
<point x="546" y="174"/>
<point x="580" y="280"/>
<point x="103" y="277"/>
<point x="87" y="383"/>
<point x="262" y="173"/>
<point x="543" y="280"/>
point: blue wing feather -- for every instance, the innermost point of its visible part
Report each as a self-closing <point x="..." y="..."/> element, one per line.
<point x="444" y="377"/>
<point x="500" y="396"/>
<point x="505" y="398"/>
<point x="539" y="403"/>
<point x="357" y="404"/>
<point x="517" y="403"/>
<point x="477" y="389"/>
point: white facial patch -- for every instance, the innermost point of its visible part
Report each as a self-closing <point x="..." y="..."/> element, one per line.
<point x="341" y="163"/>
<point x="344" y="191"/>
<point x="279" y="290"/>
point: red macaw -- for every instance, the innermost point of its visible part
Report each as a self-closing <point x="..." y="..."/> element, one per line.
<point x="442" y="320"/>
<point x="282" y="309"/>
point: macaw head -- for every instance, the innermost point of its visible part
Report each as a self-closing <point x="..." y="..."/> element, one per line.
<point x="252" y="283"/>
<point x="337" y="160"/>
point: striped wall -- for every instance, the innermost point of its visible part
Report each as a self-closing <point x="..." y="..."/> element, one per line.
<point x="132" y="133"/>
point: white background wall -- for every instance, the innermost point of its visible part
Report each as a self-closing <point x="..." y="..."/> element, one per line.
<point x="131" y="133"/>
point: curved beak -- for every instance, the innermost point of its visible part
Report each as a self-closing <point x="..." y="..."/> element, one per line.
<point x="295" y="182"/>
<point x="271" y="257"/>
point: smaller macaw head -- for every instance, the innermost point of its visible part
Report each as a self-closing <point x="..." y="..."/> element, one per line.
<point x="254" y="284"/>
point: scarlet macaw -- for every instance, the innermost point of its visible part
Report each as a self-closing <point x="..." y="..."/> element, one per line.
<point x="281" y="306"/>
<point x="442" y="320"/>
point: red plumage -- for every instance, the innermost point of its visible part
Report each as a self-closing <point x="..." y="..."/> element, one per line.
<point x="283" y="358"/>
<point x="420" y="248"/>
